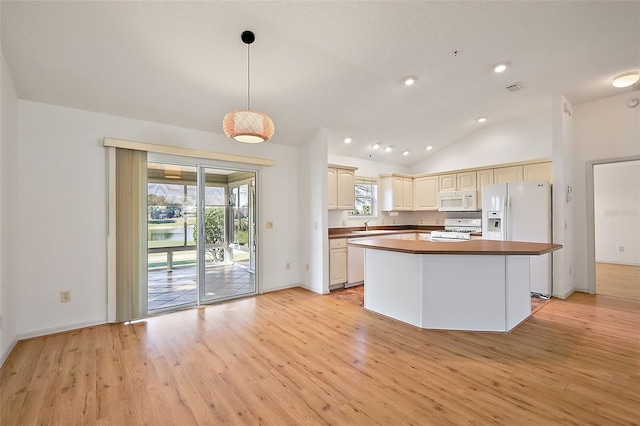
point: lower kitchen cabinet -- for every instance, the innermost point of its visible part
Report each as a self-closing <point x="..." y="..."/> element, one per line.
<point x="337" y="262"/>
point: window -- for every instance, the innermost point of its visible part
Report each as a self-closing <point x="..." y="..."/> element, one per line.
<point x="365" y="197"/>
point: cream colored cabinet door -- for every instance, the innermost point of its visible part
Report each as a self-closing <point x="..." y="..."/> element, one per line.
<point x="538" y="171"/>
<point x="398" y="187"/>
<point x="508" y="174"/>
<point x="466" y="181"/>
<point x="338" y="266"/>
<point x="448" y="182"/>
<point x="332" y="186"/>
<point x="425" y="193"/>
<point x="484" y="177"/>
<point x="346" y="189"/>
<point x="407" y="193"/>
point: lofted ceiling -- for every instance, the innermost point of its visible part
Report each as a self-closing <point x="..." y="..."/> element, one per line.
<point x="332" y="64"/>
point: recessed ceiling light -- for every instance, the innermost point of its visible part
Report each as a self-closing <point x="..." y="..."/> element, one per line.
<point x="409" y="80"/>
<point x="626" y="79"/>
<point x="387" y="149"/>
<point x="347" y="140"/>
<point x="429" y="148"/>
<point x="500" y="67"/>
<point x="482" y="119"/>
<point x="405" y="152"/>
<point x="375" y="146"/>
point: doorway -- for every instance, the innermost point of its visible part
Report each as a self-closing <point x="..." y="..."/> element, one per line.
<point x="201" y="229"/>
<point x="616" y="196"/>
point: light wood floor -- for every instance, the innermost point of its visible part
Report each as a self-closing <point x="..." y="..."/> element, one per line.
<point x="294" y="357"/>
<point x="618" y="280"/>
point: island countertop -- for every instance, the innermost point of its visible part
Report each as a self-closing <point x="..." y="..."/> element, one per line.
<point x="472" y="247"/>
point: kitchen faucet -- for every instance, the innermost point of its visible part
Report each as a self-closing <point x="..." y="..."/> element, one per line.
<point x="366" y="224"/>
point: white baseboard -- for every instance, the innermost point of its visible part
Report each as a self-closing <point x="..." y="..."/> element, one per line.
<point x="618" y="263"/>
<point x="313" y="290"/>
<point x="60" y="329"/>
<point x="284" y="287"/>
<point x="5" y="354"/>
<point x="565" y="295"/>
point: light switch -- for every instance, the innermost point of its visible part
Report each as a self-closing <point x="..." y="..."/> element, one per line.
<point x="269" y="225"/>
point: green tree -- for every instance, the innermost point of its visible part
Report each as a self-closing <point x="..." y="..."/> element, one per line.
<point x="213" y="232"/>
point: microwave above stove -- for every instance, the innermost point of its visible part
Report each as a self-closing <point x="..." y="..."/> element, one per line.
<point x="457" y="201"/>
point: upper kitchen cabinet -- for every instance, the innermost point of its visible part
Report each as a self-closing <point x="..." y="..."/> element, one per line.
<point x="508" y="174"/>
<point x="340" y="187"/>
<point x="464" y="181"/>
<point x="538" y="171"/>
<point x="484" y="177"/>
<point x="526" y="172"/>
<point x="425" y="193"/>
<point x="395" y="192"/>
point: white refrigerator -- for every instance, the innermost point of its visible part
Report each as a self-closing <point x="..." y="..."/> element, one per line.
<point x="521" y="211"/>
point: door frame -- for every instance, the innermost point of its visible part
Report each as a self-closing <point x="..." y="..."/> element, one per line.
<point x="214" y="159"/>
<point x="591" y="226"/>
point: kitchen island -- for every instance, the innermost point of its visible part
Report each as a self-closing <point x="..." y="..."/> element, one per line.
<point x="479" y="285"/>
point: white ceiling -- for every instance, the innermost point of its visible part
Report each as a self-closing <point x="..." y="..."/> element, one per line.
<point x="322" y="64"/>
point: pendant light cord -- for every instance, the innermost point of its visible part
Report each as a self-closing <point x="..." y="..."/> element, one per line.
<point x="248" y="77"/>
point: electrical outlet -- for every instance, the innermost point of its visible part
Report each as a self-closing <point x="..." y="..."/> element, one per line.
<point x="621" y="249"/>
<point x="421" y="221"/>
<point x="269" y="225"/>
<point x="65" y="296"/>
<point x="306" y="266"/>
<point x="288" y="265"/>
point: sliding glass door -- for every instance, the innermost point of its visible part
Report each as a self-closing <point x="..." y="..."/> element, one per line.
<point x="201" y="246"/>
<point x="171" y="220"/>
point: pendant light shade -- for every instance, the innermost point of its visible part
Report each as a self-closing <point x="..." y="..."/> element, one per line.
<point x="246" y="125"/>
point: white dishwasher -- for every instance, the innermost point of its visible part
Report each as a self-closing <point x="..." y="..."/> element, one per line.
<point x="355" y="264"/>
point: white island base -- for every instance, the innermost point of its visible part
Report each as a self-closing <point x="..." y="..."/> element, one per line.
<point x="448" y="292"/>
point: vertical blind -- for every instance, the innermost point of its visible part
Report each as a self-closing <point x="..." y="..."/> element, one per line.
<point x="131" y="234"/>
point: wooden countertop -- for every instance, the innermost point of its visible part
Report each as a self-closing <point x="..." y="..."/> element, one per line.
<point x="372" y="233"/>
<point x="473" y="247"/>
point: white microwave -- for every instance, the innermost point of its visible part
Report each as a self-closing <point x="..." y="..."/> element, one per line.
<point x="457" y="201"/>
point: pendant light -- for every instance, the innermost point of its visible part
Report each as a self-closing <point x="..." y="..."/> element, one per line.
<point x="246" y="125"/>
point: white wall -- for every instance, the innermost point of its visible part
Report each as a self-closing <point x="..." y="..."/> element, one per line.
<point x="563" y="221"/>
<point x="522" y="139"/>
<point x="61" y="211"/>
<point x="371" y="169"/>
<point x="312" y="211"/>
<point x="603" y="130"/>
<point x="8" y="190"/>
<point x="617" y="212"/>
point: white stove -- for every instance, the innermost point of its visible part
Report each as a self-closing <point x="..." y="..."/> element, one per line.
<point x="457" y="230"/>
<point x="463" y="225"/>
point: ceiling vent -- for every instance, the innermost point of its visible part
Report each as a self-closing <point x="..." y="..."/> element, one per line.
<point x="515" y="87"/>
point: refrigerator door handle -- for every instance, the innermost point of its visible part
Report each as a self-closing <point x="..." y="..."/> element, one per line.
<point x="507" y="204"/>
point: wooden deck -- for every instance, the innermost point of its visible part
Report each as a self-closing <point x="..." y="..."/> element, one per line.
<point x="295" y="357"/>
